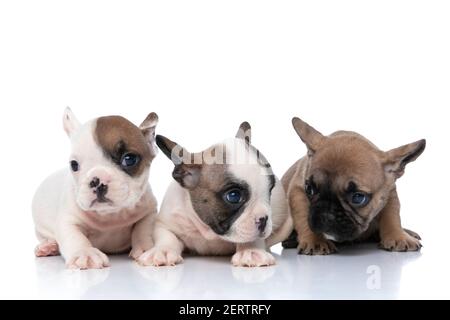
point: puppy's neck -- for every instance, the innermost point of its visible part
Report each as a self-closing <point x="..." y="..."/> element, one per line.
<point x="120" y="218"/>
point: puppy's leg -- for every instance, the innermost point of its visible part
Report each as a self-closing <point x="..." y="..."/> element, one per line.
<point x="141" y="237"/>
<point x="308" y="242"/>
<point x="167" y="250"/>
<point x="47" y="248"/>
<point x="393" y="236"/>
<point x="252" y="255"/>
<point x="78" y="251"/>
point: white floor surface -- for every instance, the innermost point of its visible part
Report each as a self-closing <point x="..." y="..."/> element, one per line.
<point x="358" y="272"/>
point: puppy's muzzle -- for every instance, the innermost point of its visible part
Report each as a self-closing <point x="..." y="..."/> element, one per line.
<point x="333" y="222"/>
<point x="100" y="190"/>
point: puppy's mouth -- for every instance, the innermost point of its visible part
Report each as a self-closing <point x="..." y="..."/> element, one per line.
<point x="102" y="200"/>
<point x="338" y="227"/>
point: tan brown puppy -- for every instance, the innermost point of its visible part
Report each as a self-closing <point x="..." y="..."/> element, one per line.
<point x="344" y="190"/>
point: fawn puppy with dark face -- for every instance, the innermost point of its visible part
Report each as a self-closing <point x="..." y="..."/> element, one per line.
<point x="102" y="202"/>
<point x="344" y="189"/>
<point x="224" y="200"/>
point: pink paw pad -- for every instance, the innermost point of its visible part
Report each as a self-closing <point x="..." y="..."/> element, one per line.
<point x="47" y="249"/>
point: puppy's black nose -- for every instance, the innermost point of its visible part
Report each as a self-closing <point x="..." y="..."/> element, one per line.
<point x="94" y="183"/>
<point x="101" y="191"/>
<point x="261" y="223"/>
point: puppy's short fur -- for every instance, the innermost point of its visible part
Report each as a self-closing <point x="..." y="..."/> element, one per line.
<point x="102" y="202"/>
<point x="344" y="190"/>
<point x="224" y="201"/>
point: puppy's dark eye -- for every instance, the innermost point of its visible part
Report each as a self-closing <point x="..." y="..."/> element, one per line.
<point x="359" y="199"/>
<point x="129" y="160"/>
<point x="310" y="189"/>
<point x="74" y="166"/>
<point x="233" y="196"/>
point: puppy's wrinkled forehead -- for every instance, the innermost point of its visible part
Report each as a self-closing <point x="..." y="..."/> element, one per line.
<point x="234" y="160"/>
<point x="248" y="163"/>
<point x="342" y="161"/>
<point x="117" y="137"/>
<point x="215" y="176"/>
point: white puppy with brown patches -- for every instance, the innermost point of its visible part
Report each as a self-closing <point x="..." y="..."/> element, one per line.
<point x="102" y="203"/>
<point x="224" y="201"/>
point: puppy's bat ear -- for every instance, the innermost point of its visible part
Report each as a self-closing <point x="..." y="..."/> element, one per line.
<point x="397" y="159"/>
<point x="186" y="172"/>
<point x="70" y="122"/>
<point x="148" y="127"/>
<point x="171" y="149"/>
<point x="310" y="136"/>
<point x="245" y="132"/>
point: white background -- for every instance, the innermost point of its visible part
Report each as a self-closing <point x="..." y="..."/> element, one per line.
<point x="381" y="68"/>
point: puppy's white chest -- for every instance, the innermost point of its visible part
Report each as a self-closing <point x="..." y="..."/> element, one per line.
<point x="112" y="241"/>
<point x="112" y="222"/>
<point x="111" y="234"/>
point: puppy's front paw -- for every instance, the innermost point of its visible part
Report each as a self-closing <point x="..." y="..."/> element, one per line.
<point x="88" y="258"/>
<point x="158" y="257"/>
<point x="47" y="249"/>
<point x="135" y="253"/>
<point x="252" y="258"/>
<point x="315" y="245"/>
<point x="400" y="242"/>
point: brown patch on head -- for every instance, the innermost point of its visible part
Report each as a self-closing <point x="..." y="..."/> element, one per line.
<point x="117" y="137"/>
<point x="216" y="154"/>
<point x="208" y="197"/>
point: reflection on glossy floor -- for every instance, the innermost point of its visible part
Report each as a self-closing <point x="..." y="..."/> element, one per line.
<point x="361" y="272"/>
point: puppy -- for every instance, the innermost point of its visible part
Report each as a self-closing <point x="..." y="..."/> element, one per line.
<point x="102" y="203"/>
<point x="344" y="190"/>
<point x="224" y="201"/>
